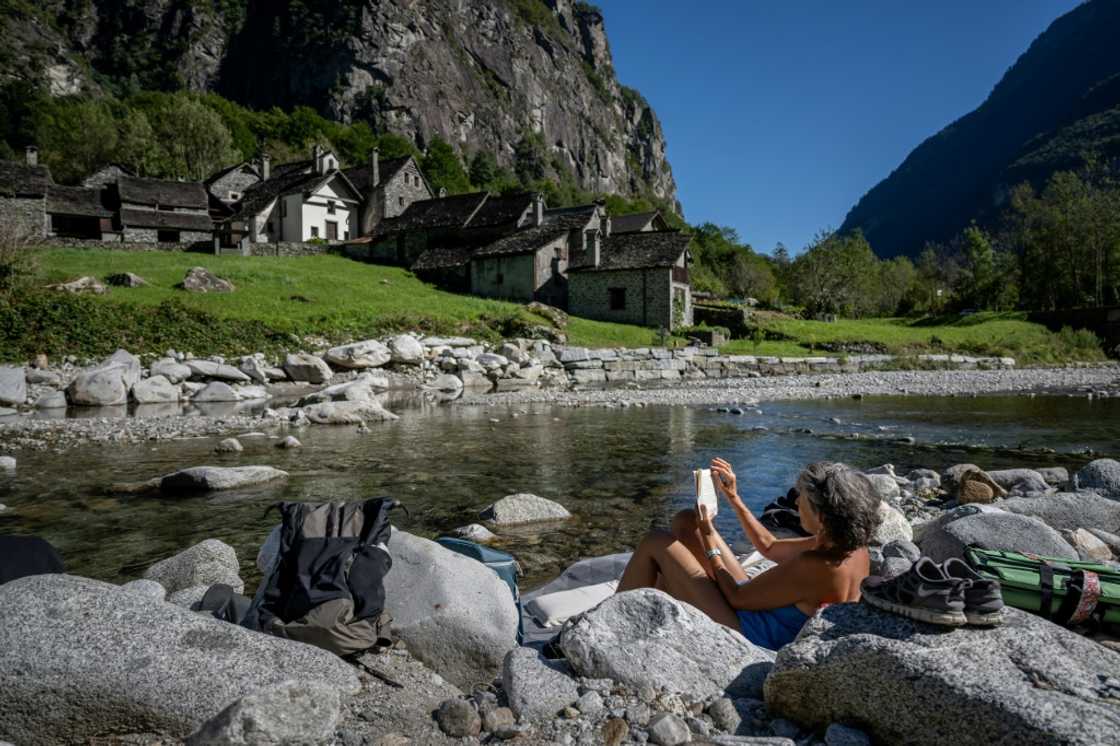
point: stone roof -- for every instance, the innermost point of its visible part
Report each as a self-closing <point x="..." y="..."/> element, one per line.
<point x="219" y="174"/>
<point x="140" y="191"/>
<point x="388" y="168"/>
<point x="632" y="223"/>
<point x="19" y="179"/>
<point x="572" y="218"/>
<point x="260" y="195"/>
<point x="71" y="200"/>
<point x="648" y="250"/>
<point x="526" y="241"/>
<point x="183" y="221"/>
<point x="440" y="212"/>
<point x="502" y="210"/>
<point x="433" y="259"/>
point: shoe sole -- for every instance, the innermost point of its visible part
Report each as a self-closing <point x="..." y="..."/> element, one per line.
<point x="993" y="619"/>
<point x="943" y="618"/>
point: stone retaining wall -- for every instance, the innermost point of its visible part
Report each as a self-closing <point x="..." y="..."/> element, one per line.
<point x="651" y="364"/>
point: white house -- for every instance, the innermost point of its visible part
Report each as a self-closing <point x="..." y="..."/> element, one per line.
<point x="299" y="201"/>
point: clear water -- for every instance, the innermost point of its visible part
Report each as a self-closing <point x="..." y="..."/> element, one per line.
<point x="617" y="470"/>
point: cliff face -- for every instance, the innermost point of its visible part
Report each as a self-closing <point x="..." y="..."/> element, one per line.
<point x="1056" y="104"/>
<point x="482" y="74"/>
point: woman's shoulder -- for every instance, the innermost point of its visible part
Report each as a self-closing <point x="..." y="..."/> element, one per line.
<point x="824" y="563"/>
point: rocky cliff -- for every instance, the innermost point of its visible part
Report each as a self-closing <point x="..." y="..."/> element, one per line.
<point x="490" y="75"/>
<point x="1057" y="104"/>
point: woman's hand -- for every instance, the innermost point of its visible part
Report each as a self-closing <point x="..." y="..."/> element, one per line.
<point x="704" y="521"/>
<point x="725" y="479"/>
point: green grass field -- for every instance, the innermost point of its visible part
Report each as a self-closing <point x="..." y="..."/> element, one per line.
<point x="281" y="302"/>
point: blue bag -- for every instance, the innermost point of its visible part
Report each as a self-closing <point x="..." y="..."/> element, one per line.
<point x="503" y="565"/>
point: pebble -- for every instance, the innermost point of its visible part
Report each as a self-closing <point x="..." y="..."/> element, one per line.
<point x="458" y="718"/>
<point x="666" y="729"/>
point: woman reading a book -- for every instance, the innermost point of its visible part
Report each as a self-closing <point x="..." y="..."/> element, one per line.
<point x="838" y="507"/>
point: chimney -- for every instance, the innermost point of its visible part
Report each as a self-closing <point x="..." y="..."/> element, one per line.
<point x="374" y="169"/>
<point x="32" y="155"/>
<point x="317" y="158"/>
<point x="538" y="209"/>
<point x="266" y="166"/>
<point x="442" y="192"/>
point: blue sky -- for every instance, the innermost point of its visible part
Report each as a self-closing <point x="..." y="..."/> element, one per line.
<point x="780" y="115"/>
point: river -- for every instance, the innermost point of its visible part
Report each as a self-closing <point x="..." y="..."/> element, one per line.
<point x="617" y="470"/>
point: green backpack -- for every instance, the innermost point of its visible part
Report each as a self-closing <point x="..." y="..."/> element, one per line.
<point x="1067" y="592"/>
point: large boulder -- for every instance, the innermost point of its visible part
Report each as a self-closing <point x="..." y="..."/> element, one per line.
<point x="81" y="286"/>
<point x="84" y="659"/>
<point x="1101" y="476"/>
<point x="994" y="530"/>
<point x="886" y="486"/>
<point x="155" y="390"/>
<point x="893" y="526"/>
<point x="106" y="384"/>
<point x="1008" y="478"/>
<point x="367" y="354"/>
<point x="524" y="507"/>
<point x="293" y="712"/>
<point x="1025" y="682"/>
<point x="210" y="370"/>
<point x="1069" y="510"/>
<point x="302" y="366"/>
<point x="13" y="384"/>
<point x="172" y="370"/>
<point x="347" y="413"/>
<point x="216" y="391"/>
<point x="648" y="638"/>
<point x="537" y="688"/>
<point x="362" y="388"/>
<point x="202" y="280"/>
<point x="406" y="349"/>
<point x="206" y="563"/>
<point x="452" y="612"/>
<point x="209" y="478"/>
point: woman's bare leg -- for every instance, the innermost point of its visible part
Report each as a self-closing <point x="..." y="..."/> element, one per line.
<point x="686" y="532"/>
<point x="662" y="561"/>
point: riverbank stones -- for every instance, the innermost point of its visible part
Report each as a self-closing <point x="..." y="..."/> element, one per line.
<point x="524" y="507"/>
<point x="357" y="355"/>
<point x="209" y="478"/>
<point x="206" y="563"/>
<point x="1101" y="476"/>
<point x="13" y="385"/>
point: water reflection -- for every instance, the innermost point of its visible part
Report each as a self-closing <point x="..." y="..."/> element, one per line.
<point x="617" y="470"/>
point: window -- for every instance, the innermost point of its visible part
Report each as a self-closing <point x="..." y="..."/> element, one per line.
<point x="270" y="228"/>
<point x="167" y="236"/>
<point x="314" y="231"/>
<point x="330" y="207"/>
<point x="616" y="299"/>
<point x="346" y="235"/>
<point x="400" y="201"/>
<point x="234" y="196"/>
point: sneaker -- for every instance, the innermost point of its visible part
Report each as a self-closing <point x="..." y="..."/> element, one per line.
<point x="983" y="600"/>
<point x="924" y="592"/>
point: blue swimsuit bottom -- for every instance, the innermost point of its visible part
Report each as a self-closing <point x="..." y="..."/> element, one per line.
<point x="772" y="628"/>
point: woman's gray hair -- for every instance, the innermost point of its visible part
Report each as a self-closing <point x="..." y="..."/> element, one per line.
<point x="846" y="502"/>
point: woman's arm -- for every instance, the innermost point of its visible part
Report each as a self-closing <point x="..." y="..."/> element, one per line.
<point x="768" y="545"/>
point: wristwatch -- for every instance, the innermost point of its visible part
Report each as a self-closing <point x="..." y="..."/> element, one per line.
<point x="713" y="553"/>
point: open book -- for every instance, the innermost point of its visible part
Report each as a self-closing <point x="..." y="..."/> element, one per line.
<point x="706" y="492"/>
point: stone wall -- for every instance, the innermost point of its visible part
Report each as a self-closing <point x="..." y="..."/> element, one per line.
<point x="660" y="364"/>
<point x="24" y="217"/>
<point x="288" y="248"/>
<point x="649" y="300"/>
<point x="509" y="277"/>
<point x="113" y="242"/>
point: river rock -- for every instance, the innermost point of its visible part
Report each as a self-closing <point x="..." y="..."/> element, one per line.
<point x="452" y="612"/>
<point x="292" y="712"/>
<point x="7" y="463"/>
<point x="909" y="682"/>
<point x="106" y="384"/>
<point x="1069" y="510"/>
<point x="1030" y="485"/>
<point x="42" y="376"/>
<point x="406" y="349"/>
<point x="209" y="370"/>
<point x="458" y="718"/>
<point x="951" y="477"/>
<point x="475" y="532"/>
<point x="362" y="388"/>
<point x="13" y="384"/>
<point x="172" y="370"/>
<point x="147" y="588"/>
<point x="1055" y="476"/>
<point x="52" y="399"/>
<point x="81" y="286"/>
<point x="447" y="384"/>
<point x="347" y="413"/>
<point x="255" y="368"/>
<point x="367" y="354"/>
<point x="996" y="530"/>
<point x="85" y="659"/>
<point x="155" y="390"/>
<point x="209" y="478"/>
<point x="206" y="563"/>
<point x="648" y="638"/>
<point x="188" y="598"/>
<point x="252" y="393"/>
<point x="893" y="526"/>
<point x="886" y="487"/>
<point x="1101" y="476"/>
<point x="843" y="735"/>
<point x="537" y="688"/>
<point x="1008" y="478"/>
<point x="289" y="441"/>
<point x="1111" y="540"/>
<point x="524" y="507"/>
<point x="202" y="280"/>
<point x="666" y="729"/>
<point x="229" y="445"/>
<point x="1088" y="546"/>
<point x="305" y="367"/>
<point x="216" y="391"/>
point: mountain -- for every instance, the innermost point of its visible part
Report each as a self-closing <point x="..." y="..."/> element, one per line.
<point x="1058" y="103"/>
<point x="493" y="75"/>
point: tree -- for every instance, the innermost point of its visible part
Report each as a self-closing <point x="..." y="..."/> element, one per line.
<point x="442" y="167"/>
<point x="484" y="169"/>
<point x="76" y="137"/>
<point x="194" y="141"/>
<point x="836" y="275"/>
<point x="136" y="146"/>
